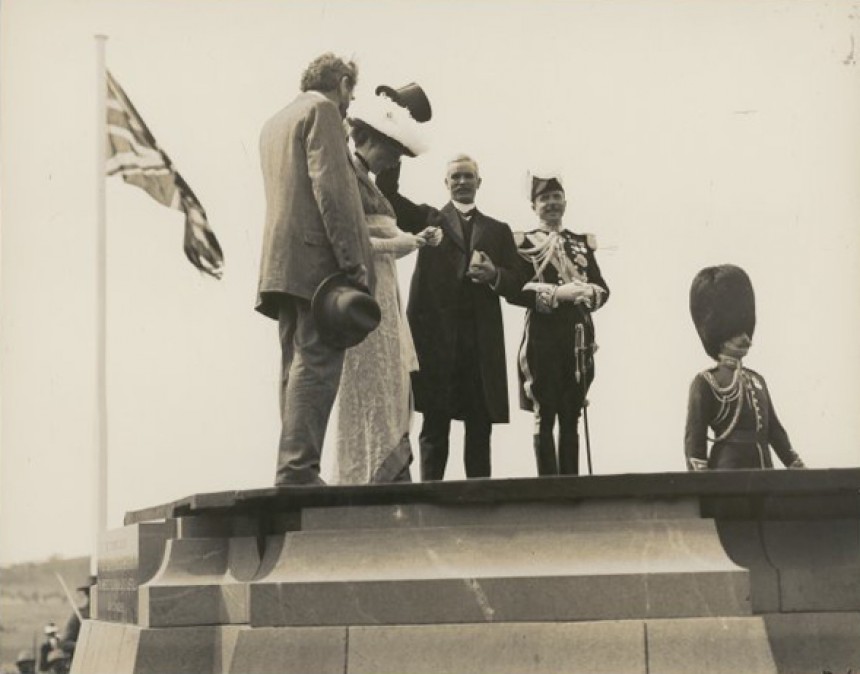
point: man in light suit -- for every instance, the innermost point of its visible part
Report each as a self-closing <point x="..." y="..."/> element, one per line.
<point x="456" y="319"/>
<point x="314" y="228"/>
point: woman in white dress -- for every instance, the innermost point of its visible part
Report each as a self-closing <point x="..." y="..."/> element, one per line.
<point x="374" y="400"/>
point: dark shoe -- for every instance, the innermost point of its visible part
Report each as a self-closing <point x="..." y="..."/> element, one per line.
<point x="316" y="481"/>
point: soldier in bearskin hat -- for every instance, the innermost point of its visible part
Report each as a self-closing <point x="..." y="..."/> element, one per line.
<point x="556" y="365"/>
<point x="730" y="399"/>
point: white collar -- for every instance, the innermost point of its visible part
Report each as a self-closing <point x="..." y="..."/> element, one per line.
<point x="549" y="230"/>
<point x="464" y="208"/>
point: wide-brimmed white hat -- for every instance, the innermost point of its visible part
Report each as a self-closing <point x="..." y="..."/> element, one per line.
<point x="391" y="120"/>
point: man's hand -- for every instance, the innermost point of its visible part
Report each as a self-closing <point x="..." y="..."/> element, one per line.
<point x="416" y="241"/>
<point x="432" y="236"/>
<point x="436" y="220"/>
<point x="576" y="292"/>
<point x="539" y="287"/>
<point x="357" y="275"/>
<point x="481" y="268"/>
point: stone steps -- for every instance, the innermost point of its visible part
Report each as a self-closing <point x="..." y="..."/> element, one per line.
<point x="800" y="643"/>
<point x="759" y="573"/>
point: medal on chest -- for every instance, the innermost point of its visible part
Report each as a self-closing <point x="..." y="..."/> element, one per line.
<point x="576" y="257"/>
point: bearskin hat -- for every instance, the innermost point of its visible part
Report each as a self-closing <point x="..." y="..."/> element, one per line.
<point x="722" y="305"/>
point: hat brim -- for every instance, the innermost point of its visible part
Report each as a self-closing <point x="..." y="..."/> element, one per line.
<point x="325" y="287"/>
<point x="391" y="92"/>
<point x="392" y="121"/>
<point x="400" y="146"/>
<point x="338" y="338"/>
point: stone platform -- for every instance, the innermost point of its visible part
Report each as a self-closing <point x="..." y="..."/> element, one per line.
<point x="744" y="571"/>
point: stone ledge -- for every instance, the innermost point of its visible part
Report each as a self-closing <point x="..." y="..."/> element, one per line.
<point x="202" y="581"/>
<point x="581" y="570"/>
<point x="500" y="599"/>
<point x="837" y="491"/>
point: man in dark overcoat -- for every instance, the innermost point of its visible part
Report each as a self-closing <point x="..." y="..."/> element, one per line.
<point x="456" y="319"/>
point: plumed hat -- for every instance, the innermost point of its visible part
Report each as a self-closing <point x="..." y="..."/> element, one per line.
<point x="410" y="96"/>
<point x="722" y="304"/>
<point x="390" y="118"/>
<point x="344" y="314"/>
<point x="543" y="181"/>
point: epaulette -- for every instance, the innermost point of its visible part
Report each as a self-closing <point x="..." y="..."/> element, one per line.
<point x="520" y="237"/>
<point x="591" y="241"/>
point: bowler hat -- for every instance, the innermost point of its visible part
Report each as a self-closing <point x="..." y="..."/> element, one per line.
<point x="344" y="314"/>
<point x="410" y="96"/>
<point x="722" y="304"/>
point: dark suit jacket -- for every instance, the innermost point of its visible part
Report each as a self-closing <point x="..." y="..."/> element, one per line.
<point x="434" y="303"/>
<point x="314" y="219"/>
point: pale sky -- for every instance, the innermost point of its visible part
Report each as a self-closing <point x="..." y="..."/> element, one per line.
<point x="689" y="132"/>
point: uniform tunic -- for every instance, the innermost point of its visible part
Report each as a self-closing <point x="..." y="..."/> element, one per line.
<point x="546" y="359"/>
<point x="743" y="420"/>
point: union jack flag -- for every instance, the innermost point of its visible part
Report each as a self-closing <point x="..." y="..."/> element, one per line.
<point x="134" y="154"/>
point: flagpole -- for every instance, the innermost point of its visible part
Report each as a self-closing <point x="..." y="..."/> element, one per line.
<point x="101" y="455"/>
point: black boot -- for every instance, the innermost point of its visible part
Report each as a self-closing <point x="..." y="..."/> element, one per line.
<point x="568" y="453"/>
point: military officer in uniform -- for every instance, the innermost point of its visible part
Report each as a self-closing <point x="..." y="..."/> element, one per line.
<point x="556" y="357"/>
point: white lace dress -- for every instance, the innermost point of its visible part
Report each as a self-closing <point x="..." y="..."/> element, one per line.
<point x="375" y="397"/>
